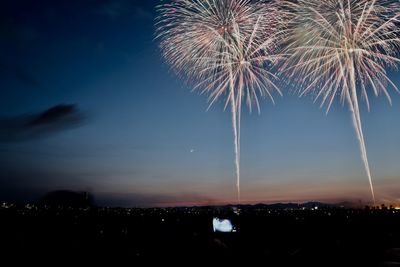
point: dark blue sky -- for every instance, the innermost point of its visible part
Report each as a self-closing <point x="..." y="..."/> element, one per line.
<point x="136" y="135"/>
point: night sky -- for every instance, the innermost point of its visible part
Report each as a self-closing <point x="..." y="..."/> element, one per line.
<point x="87" y="104"/>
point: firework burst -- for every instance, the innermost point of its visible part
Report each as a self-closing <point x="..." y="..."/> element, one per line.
<point x="226" y="48"/>
<point x="343" y="48"/>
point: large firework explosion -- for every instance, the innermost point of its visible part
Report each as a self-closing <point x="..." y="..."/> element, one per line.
<point x="343" y="48"/>
<point x="227" y="48"/>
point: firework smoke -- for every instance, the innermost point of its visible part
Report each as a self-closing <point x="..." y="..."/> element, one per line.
<point x="227" y="48"/>
<point x="343" y="47"/>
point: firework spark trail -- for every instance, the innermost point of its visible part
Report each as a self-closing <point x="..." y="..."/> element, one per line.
<point x="236" y="137"/>
<point x="227" y="48"/>
<point x="352" y="99"/>
<point x="337" y="47"/>
<point x="354" y="109"/>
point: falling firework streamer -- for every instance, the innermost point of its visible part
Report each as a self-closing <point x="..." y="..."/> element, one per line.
<point x="337" y="47"/>
<point x="227" y="48"/>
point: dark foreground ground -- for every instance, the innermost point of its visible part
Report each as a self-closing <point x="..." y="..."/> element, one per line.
<point x="323" y="237"/>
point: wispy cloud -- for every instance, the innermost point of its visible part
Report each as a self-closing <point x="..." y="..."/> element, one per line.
<point x="32" y="126"/>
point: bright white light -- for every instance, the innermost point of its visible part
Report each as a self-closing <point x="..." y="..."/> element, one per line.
<point x="222" y="225"/>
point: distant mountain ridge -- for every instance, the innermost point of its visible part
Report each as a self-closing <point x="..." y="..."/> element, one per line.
<point x="289" y="205"/>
